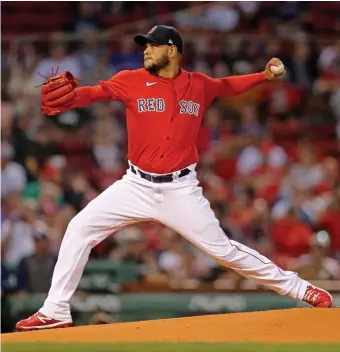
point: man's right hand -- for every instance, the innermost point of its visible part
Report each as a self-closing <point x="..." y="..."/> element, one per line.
<point x="57" y="93"/>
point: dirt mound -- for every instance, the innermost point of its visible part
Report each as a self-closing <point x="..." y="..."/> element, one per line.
<point x="293" y="325"/>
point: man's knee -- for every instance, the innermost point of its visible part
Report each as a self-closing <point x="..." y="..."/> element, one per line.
<point x="218" y="246"/>
<point x="81" y="224"/>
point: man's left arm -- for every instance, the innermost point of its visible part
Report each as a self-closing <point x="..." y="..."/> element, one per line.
<point x="231" y="86"/>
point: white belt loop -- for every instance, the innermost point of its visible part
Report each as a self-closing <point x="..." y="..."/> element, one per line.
<point x="175" y="175"/>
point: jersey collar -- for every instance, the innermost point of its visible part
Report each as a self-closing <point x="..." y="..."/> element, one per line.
<point x="181" y="77"/>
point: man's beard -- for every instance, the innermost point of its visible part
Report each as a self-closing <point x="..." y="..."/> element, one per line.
<point x="155" y="68"/>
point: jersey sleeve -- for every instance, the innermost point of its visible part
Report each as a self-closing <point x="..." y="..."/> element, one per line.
<point x="231" y="86"/>
<point x="88" y="95"/>
<point x="118" y="87"/>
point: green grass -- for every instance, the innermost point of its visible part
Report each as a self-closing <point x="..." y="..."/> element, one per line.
<point x="168" y="347"/>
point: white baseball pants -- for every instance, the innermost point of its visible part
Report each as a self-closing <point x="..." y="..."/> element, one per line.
<point x="179" y="205"/>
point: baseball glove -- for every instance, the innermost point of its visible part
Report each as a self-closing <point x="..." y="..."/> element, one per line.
<point x="57" y="93"/>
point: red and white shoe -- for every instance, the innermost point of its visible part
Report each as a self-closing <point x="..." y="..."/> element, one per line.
<point x="318" y="297"/>
<point x="40" y="321"/>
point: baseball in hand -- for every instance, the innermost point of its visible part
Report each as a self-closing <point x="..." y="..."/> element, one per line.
<point x="277" y="70"/>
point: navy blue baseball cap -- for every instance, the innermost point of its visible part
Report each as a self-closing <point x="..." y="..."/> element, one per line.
<point x="161" y="35"/>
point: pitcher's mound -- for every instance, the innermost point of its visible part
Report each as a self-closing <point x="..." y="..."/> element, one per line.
<point x="293" y="325"/>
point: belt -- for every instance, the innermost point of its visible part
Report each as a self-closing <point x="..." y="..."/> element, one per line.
<point x="160" y="178"/>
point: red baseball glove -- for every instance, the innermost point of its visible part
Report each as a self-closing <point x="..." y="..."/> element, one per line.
<point x="57" y="93"/>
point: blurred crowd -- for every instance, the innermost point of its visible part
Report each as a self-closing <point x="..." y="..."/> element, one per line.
<point x="269" y="158"/>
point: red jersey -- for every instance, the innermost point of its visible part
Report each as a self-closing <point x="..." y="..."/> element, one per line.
<point x="164" y="115"/>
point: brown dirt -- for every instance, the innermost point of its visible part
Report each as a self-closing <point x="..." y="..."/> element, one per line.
<point x="293" y="325"/>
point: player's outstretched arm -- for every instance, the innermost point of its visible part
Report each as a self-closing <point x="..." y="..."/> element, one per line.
<point x="235" y="85"/>
<point x="60" y="93"/>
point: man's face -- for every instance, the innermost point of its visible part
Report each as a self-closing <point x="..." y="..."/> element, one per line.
<point x="41" y="246"/>
<point x="57" y="51"/>
<point x="156" y="57"/>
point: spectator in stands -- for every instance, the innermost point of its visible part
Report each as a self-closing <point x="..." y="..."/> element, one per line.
<point x="127" y="58"/>
<point x="132" y="245"/>
<point x="93" y="59"/>
<point x="107" y="139"/>
<point x="317" y="264"/>
<point x="77" y="190"/>
<point x="103" y="68"/>
<point x="46" y="189"/>
<point x="282" y="99"/>
<point x="329" y="56"/>
<point x="13" y="175"/>
<point x="22" y="59"/>
<point x="213" y="132"/>
<point x="329" y="220"/>
<point x="220" y="16"/>
<point x="191" y="17"/>
<point x="35" y="271"/>
<point x="58" y="59"/>
<point x="258" y="229"/>
<point x="290" y="235"/>
<point x="249" y="160"/>
<point x="302" y="67"/>
<point x="39" y="151"/>
<point x="331" y="176"/>
<point x="133" y="249"/>
<point x="335" y="105"/>
<point x="261" y="154"/>
<point x="182" y="265"/>
<point x="88" y="55"/>
<point x="27" y="126"/>
<point x="87" y="17"/>
<point x="6" y="316"/>
<point x="289" y="11"/>
<point x="240" y="210"/>
<point x="249" y="125"/>
<point x="171" y="257"/>
<point x="307" y="172"/>
<point x="106" y="151"/>
<point x="16" y="230"/>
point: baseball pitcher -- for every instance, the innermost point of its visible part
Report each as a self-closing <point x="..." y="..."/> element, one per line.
<point x="165" y="105"/>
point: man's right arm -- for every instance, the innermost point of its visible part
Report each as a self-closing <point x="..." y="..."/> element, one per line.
<point x="116" y="88"/>
<point x="62" y="95"/>
<point x="85" y="96"/>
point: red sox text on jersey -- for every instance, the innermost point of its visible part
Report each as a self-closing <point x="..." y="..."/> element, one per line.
<point x="158" y="105"/>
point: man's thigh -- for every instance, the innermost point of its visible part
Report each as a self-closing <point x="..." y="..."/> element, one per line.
<point x="121" y="204"/>
<point x="189" y="213"/>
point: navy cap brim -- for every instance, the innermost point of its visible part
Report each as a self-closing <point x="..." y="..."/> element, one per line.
<point x="141" y="39"/>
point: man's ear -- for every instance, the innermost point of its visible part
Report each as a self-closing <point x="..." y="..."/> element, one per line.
<point x="173" y="51"/>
